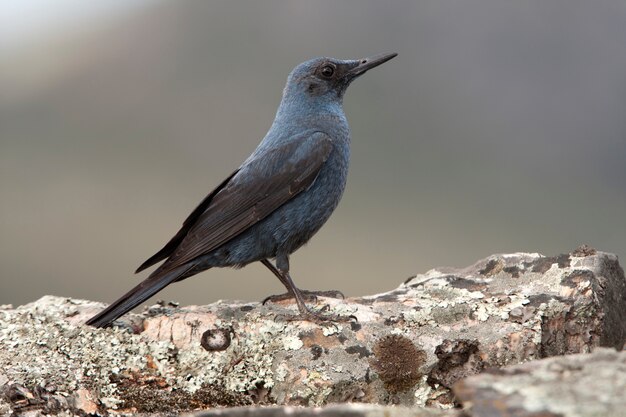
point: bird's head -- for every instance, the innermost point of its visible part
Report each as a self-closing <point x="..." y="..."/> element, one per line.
<point x="326" y="79"/>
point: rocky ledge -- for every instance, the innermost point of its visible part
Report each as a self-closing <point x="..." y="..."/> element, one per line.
<point x="417" y="346"/>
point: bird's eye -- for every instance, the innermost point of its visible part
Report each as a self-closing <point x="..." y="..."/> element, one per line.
<point x="327" y="71"/>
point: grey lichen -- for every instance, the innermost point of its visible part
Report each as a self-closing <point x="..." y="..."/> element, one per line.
<point x="39" y="345"/>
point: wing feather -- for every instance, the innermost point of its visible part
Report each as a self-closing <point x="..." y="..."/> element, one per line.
<point x="259" y="187"/>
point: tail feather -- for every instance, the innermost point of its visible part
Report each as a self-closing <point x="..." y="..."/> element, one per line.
<point x="146" y="289"/>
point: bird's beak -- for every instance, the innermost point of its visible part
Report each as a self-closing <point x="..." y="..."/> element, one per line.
<point x="369" y="63"/>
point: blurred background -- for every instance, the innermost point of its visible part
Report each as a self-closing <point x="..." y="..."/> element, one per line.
<point x="500" y="127"/>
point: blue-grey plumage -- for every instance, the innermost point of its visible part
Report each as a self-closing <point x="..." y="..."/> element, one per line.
<point x="277" y="199"/>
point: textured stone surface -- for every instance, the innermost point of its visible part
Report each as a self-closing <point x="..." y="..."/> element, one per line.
<point x="409" y="347"/>
<point x="337" y="410"/>
<point x="585" y="385"/>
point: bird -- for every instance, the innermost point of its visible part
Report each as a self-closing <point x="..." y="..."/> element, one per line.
<point x="278" y="198"/>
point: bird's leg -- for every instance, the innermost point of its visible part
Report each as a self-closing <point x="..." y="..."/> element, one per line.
<point x="309" y="296"/>
<point x="282" y="273"/>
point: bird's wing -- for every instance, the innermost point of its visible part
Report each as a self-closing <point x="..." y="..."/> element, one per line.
<point x="261" y="185"/>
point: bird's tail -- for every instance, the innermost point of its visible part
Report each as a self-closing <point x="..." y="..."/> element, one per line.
<point x="146" y="289"/>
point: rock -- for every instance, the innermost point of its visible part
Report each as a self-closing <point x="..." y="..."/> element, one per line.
<point x="336" y="410"/>
<point x="584" y="385"/>
<point x="83" y="400"/>
<point x="409" y="346"/>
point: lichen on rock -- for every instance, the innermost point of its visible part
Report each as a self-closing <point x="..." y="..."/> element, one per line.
<point x="409" y="346"/>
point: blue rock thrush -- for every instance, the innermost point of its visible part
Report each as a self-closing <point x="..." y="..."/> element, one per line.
<point x="277" y="199"/>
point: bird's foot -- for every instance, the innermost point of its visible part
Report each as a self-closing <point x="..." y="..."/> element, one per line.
<point x="309" y="296"/>
<point x="319" y="316"/>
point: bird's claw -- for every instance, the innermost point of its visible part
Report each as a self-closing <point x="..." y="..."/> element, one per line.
<point x="309" y="296"/>
<point x="318" y="316"/>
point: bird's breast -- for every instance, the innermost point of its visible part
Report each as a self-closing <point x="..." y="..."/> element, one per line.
<point x="304" y="215"/>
